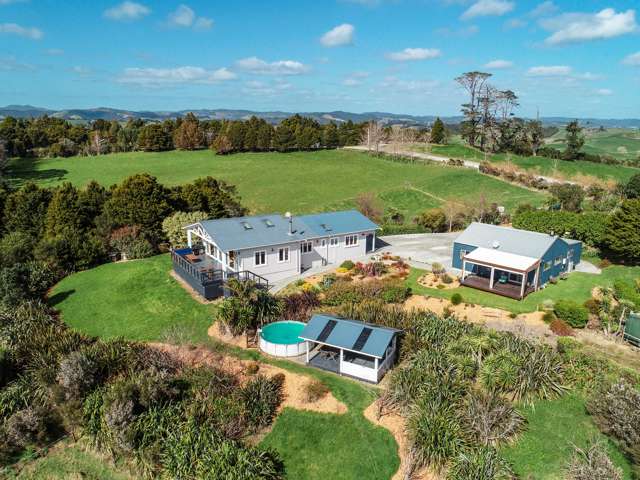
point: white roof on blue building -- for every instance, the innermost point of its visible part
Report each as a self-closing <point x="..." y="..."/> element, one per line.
<point x="263" y="230"/>
<point x="509" y="240"/>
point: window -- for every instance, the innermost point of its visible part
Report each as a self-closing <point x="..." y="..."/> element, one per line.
<point x="283" y="254"/>
<point x="333" y="242"/>
<point x="323" y="242"/>
<point x="557" y="261"/>
<point x="547" y="265"/>
<point x="307" y="247"/>
<point x="260" y="258"/>
<point x="462" y="254"/>
<point x="351" y="240"/>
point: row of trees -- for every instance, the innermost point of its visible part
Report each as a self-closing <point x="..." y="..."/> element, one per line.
<point x="48" y="232"/>
<point x="49" y="136"/>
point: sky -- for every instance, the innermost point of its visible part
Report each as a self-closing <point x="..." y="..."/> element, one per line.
<point x="574" y="58"/>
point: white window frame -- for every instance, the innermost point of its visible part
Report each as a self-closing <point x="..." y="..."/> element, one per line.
<point x="334" y="241"/>
<point x="283" y="255"/>
<point x="558" y="260"/>
<point x="261" y="253"/>
<point x="463" y="253"/>
<point x="355" y="240"/>
<point x="306" y="247"/>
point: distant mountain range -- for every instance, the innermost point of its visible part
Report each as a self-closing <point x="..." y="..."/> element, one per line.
<point x="105" y="113"/>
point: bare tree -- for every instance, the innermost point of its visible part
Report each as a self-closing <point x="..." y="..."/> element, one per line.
<point x="369" y="205"/>
<point x="473" y="83"/>
<point x="454" y="212"/>
<point x="372" y="136"/>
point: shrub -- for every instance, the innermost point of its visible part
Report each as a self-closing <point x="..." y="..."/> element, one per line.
<point x="395" y="293"/>
<point x="446" y="278"/>
<point x="573" y="313"/>
<point x="456" y="299"/>
<point x="348" y="264"/>
<point x="315" y="390"/>
<point x="592" y="305"/>
<point x="27" y="427"/>
<point x="253" y="368"/>
<point x="262" y="397"/>
<point x="549" y="317"/>
<point x="616" y="411"/>
<point x="604" y="263"/>
<point x="592" y="464"/>
<point x="561" y="328"/>
<point x="491" y="419"/>
<point x="76" y="374"/>
<point x="173" y="226"/>
<point x="480" y="464"/>
<point x="437" y="268"/>
<point x="130" y="242"/>
<point x="433" y="220"/>
<point x="298" y="306"/>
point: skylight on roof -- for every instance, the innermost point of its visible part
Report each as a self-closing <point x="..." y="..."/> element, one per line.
<point x="326" y="227"/>
<point x="269" y="223"/>
<point x="247" y="226"/>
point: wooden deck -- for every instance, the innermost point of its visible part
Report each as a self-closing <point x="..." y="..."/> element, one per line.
<point x="510" y="290"/>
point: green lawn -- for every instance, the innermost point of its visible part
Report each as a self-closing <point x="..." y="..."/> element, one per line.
<point x="577" y="287"/>
<point x="69" y="461"/>
<point x="541" y="165"/>
<point x="553" y="427"/>
<point x="301" y="182"/>
<point x="137" y="300"/>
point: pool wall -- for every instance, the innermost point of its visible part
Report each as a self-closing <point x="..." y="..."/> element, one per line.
<point x="283" y="349"/>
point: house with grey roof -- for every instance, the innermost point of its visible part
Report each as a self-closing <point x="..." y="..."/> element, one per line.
<point x="268" y="248"/>
<point x="350" y="347"/>
<point x="512" y="262"/>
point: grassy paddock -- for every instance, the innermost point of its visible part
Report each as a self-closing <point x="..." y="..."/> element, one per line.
<point x="541" y="165"/>
<point x="577" y="287"/>
<point x="301" y="182"/>
<point x="553" y="428"/>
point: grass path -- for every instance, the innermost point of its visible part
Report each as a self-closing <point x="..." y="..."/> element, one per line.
<point x="577" y="287"/>
<point x="553" y="428"/>
<point x="138" y="300"/>
<point x="300" y="182"/>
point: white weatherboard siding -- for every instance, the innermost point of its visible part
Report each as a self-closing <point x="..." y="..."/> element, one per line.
<point x="273" y="270"/>
<point x="359" y="371"/>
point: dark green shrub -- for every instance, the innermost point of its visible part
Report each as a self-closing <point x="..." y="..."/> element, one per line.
<point x="549" y="317"/>
<point x="262" y="397"/>
<point x="573" y="313"/>
<point x="348" y="264"/>
<point x="456" y="299"/>
<point x="395" y="293"/>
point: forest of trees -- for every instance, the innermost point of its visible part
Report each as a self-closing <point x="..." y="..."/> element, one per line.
<point x="54" y="137"/>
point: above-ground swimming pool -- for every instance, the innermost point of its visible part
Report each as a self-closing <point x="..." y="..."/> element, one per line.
<point x="280" y="339"/>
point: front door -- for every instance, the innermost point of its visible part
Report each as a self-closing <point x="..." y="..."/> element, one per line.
<point x="370" y="242"/>
<point x="306" y="255"/>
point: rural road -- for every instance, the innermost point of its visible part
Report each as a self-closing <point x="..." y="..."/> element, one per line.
<point x="438" y="158"/>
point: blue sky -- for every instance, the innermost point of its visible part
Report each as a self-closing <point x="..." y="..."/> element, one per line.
<point x="563" y="57"/>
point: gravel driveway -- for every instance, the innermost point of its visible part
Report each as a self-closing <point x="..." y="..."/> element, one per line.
<point x="421" y="249"/>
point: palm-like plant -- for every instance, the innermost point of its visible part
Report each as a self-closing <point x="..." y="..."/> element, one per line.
<point x="490" y="419"/>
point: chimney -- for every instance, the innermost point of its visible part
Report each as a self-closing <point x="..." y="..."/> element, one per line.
<point x="290" y="217"/>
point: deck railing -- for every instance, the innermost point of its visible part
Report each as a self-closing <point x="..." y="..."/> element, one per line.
<point x="211" y="276"/>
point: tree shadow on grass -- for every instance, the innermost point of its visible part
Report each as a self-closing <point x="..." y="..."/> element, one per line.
<point x="60" y="297"/>
<point x="23" y="170"/>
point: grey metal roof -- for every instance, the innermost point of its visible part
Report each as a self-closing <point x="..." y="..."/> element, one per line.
<point x="506" y="239"/>
<point x="264" y="230"/>
<point x="346" y="332"/>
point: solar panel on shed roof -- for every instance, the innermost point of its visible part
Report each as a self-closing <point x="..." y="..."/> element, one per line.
<point x="362" y="339"/>
<point x="326" y="331"/>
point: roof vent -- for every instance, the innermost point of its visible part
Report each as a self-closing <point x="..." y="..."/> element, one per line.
<point x="495" y="244"/>
<point x="327" y="228"/>
<point x="269" y="223"/>
<point x="247" y="226"/>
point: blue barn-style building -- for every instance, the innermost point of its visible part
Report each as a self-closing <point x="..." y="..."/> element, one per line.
<point x="512" y="262"/>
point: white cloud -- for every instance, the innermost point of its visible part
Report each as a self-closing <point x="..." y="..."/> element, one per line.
<point x="461" y="32"/>
<point x="26" y="32"/>
<point x="579" y="27"/>
<point x="515" y="23"/>
<point x="281" y="67"/>
<point x="550" y="71"/>
<point x="10" y="64"/>
<point x="605" y="92"/>
<point x="498" y="64"/>
<point x="411" y="54"/>
<point x="484" y="8"/>
<point x="127" y="11"/>
<point x="544" y="9"/>
<point x="396" y="84"/>
<point x="338" y="36"/>
<point x="255" y="87"/>
<point x="185" y="17"/>
<point x="153" y="77"/>
<point x="632" y="59"/>
<point x="81" y="71"/>
<point x="355" y="79"/>
<point x="54" y="52"/>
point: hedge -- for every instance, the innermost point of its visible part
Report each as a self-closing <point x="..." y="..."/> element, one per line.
<point x="588" y="227"/>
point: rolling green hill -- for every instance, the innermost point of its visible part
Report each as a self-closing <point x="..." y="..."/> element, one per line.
<point x="300" y="182"/>
<point x="618" y="143"/>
